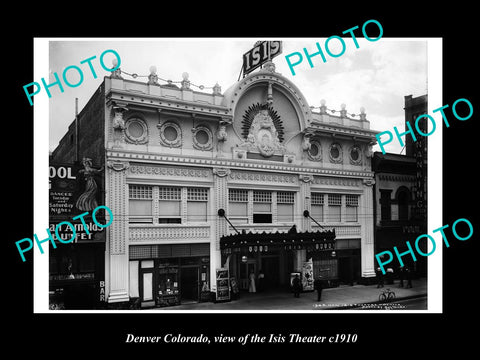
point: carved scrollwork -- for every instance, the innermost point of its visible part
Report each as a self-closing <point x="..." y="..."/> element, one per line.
<point x="306" y="178"/>
<point x="369" y="181"/>
<point x="221" y="172"/>
<point x="118" y="165"/>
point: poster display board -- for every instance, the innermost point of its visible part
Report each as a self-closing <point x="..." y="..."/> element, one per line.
<point x="307" y="276"/>
<point x="223" y="286"/>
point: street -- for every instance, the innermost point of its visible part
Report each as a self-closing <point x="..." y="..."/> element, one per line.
<point x="418" y="303"/>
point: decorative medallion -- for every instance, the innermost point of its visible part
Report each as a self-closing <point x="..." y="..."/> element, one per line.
<point x="170" y="134"/>
<point x="202" y="138"/>
<point x="315" y="151"/>
<point x="136" y="131"/>
<point x="355" y="155"/>
<point x="335" y="153"/>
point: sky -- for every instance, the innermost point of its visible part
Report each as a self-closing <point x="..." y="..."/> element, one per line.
<point x="376" y="76"/>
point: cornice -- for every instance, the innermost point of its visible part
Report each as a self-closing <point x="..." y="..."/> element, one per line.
<point x="231" y="164"/>
<point x="129" y="98"/>
<point x="339" y="129"/>
<point x="408" y="178"/>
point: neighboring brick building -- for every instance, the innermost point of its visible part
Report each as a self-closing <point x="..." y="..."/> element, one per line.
<point x="401" y="192"/>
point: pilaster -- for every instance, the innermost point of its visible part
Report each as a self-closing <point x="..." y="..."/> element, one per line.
<point x="221" y="225"/>
<point x="304" y="201"/>
<point x="117" y="239"/>
<point x="368" y="249"/>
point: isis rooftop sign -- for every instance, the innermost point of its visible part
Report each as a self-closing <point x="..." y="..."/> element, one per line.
<point x="262" y="52"/>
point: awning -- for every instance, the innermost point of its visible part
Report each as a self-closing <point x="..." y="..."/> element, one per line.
<point x="252" y="242"/>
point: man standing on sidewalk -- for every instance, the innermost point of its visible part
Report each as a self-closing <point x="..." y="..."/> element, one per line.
<point x="296" y="286"/>
<point x="317" y="285"/>
<point x="401" y="272"/>
<point x="409" y="277"/>
<point x="379" y="278"/>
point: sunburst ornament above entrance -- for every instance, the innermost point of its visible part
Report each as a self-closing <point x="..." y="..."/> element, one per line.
<point x="254" y="110"/>
<point x="262" y="129"/>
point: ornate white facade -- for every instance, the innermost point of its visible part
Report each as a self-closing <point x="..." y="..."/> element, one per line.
<point x="260" y="135"/>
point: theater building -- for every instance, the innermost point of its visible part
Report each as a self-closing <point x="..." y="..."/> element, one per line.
<point x="193" y="177"/>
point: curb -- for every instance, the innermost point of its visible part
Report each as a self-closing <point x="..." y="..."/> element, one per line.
<point x="355" y="306"/>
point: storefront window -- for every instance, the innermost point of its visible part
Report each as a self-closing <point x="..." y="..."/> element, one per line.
<point x="167" y="289"/>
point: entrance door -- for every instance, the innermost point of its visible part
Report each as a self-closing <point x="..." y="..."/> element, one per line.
<point x="271" y="270"/>
<point x="245" y="270"/>
<point x="146" y="279"/>
<point x="345" y="270"/>
<point x="189" y="283"/>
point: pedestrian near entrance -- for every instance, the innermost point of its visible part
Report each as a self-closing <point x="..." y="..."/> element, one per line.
<point x="389" y="276"/>
<point x="409" y="277"/>
<point x="261" y="281"/>
<point x="401" y="275"/>
<point x="379" y="278"/>
<point x="296" y="286"/>
<point x="251" y="285"/>
<point x="318" y="285"/>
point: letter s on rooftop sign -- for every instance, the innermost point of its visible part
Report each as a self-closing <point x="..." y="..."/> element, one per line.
<point x="260" y="54"/>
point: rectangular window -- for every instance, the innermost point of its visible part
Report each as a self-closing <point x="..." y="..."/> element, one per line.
<point x="317" y="206"/>
<point x="169" y="206"/>
<point x="352" y="208"/>
<point x="146" y="264"/>
<point x="197" y="202"/>
<point x="385" y="205"/>
<point x="285" y="206"/>
<point x="238" y="206"/>
<point x="140" y="192"/>
<point x="262" y="197"/>
<point x="140" y="204"/>
<point x="259" y="218"/>
<point x="334" y="207"/>
<point x="262" y="207"/>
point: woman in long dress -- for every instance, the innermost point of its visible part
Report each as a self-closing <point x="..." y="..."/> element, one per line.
<point x="87" y="201"/>
<point x="251" y="285"/>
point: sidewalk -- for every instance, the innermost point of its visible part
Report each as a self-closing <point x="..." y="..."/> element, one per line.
<point x="343" y="297"/>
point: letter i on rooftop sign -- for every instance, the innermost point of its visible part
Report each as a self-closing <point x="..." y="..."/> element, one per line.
<point x="262" y="52"/>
